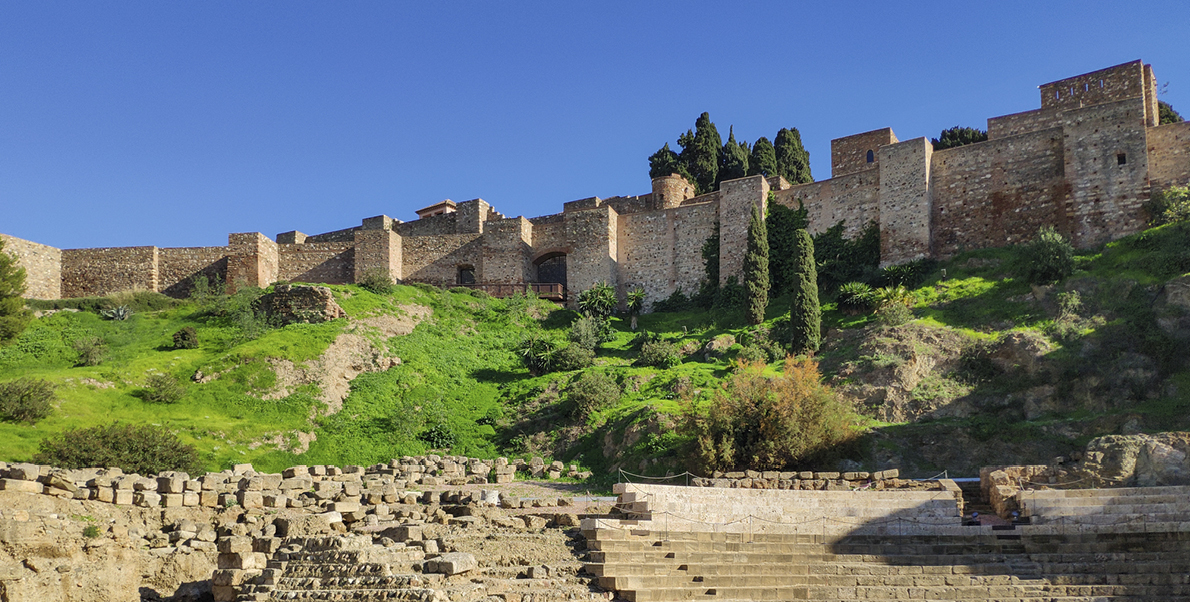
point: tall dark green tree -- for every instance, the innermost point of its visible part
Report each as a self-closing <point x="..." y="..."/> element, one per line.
<point x="805" y="315"/>
<point x="1166" y="114"/>
<point x="756" y="268"/>
<point x="700" y="153"/>
<point x="793" y="161"/>
<point x="665" y="162"/>
<point x="708" y="289"/>
<point x="782" y="224"/>
<point x="958" y="136"/>
<point x="733" y="159"/>
<point x="763" y="161"/>
<point x="13" y="315"/>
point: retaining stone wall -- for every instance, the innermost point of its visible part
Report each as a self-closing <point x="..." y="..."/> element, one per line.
<point x="177" y="268"/>
<point x="661" y="251"/>
<point x="326" y="263"/>
<point x="98" y="272"/>
<point x="853" y="199"/>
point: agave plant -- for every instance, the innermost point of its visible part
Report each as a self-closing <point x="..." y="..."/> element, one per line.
<point x="856" y="298"/>
<point x="120" y="312"/>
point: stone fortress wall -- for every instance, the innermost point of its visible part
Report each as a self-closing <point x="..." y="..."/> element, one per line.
<point x="1085" y="162"/>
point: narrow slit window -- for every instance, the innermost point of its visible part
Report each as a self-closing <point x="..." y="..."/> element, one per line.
<point x="1121" y="159"/>
<point x="871" y="157"/>
<point x="1100" y="83"/>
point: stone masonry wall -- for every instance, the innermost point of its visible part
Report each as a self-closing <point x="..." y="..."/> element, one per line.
<point x="252" y="260"/>
<point x="437" y="225"/>
<point x="102" y="271"/>
<point x="850" y="153"/>
<point x="177" y="268"/>
<point x="998" y="192"/>
<point x="736" y="198"/>
<point x="507" y="255"/>
<point x="852" y="199"/>
<point x="1106" y="198"/>
<point x="378" y="249"/>
<point x="593" y="235"/>
<point x="1022" y="123"/>
<point x="326" y="262"/>
<point x="661" y="251"/>
<point x="436" y="259"/>
<point x="905" y="201"/>
<point x="1097" y="87"/>
<point x="43" y="266"/>
<point x="1169" y="155"/>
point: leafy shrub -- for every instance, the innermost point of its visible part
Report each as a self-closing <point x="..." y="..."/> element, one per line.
<point x="118" y="313"/>
<point x="162" y="388"/>
<point x="26" y="400"/>
<point x="91" y="531"/>
<point x="186" y="338"/>
<point x="894" y="314"/>
<point x="377" y="281"/>
<point x="752" y="354"/>
<point x="590" y="332"/>
<point x="976" y="365"/>
<point x="856" y="298"/>
<point x="1169" y="206"/>
<point x="659" y="353"/>
<point x="573" y="357"/>
<point x="1048" y="258"/>
<point x="439" y="436"/>
<point x="761" y="423"/>
<point x="141" y="449"/>
<point x="910" y="274"/>
<point x="537" y="353"/>
<point x="676" y="301"/>
<point x="641" y="338"/>
<point x="894" y="295"/>
<point x="591" y="392"/>
<point x="841" y="259"/>
<point x="91" y="350"/>
<point x="732" y="294"/>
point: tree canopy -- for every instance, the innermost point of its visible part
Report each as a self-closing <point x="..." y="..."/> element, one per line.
<point x="756" y="267"/>
<point x="706" y="160"/>
<point x="13" y="315"/>
<point x="1166" y="114"/>
<point x="958" y="136"/>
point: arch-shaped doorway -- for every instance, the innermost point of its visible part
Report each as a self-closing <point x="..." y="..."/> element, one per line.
<point x="551" y="267"/>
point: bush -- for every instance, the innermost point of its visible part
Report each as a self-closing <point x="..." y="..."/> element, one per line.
<point x="26" y="400"/>
<point x="91" y="531"/>
<point x="590" y="332"/>
<point x="439" y="436"/>
<point x="1169" y="206"/>
<point x="377" y="281"/>
<point x="118" y="313"/>
<point x="910" y="274"/>
<point x="186" y="338"/>
<point x="591" y="392"/>
<point x="140" y="449"/>
<point x="91" y="350"/>
<point x="761" y="423"/>
<point x="731" y="295"/>
<point x="573" y="357"/>
<point x="661" y="354"/>
<point x="751" y="354"/>
<point x="894" y="314"/>
<point x="537" y="353"/>
<point x="162" y="388"/>
<point x="599" y="301"/>
<point x="677" y="301"/>
<point x="1048" y="258"/>
<point x="856" y="298"/>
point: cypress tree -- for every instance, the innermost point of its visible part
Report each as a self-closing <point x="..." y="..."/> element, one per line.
<point x="733" y="159"/>
<point x="13" y="315"/>
<point x="805" y="315"/>
<point x="793" y="161"/>
<point x="764" y="158"/>
<point x="782" y="223"/>
<point x="665" y="162"/>
<point x="756" y="268"/>
<point x="700" y="153"/>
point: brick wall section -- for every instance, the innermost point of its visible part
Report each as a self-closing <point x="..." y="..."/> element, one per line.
<point x="1097" y="87"/>
<point x="102" y="271"/>
<point x="660" y="251"/>
<point x="43" y="266"/>
<point x="320" y="262"/>
<point x="378" y="249"/>
<point x="852" y="199"/>
<point x="178" y="267"/>
<point x="998" y="192"/>
<point x="436" y="259"/>
<point x="1106" y="199"/>
<point x="850" y="154"/>
<point x="507" y="251"/>
<point x="736" y="198"/>
<point x="252" y="260"/>
<point x="1169" y="155"/>
<point x="905" y="202"/>
<point x="593" y="240"/>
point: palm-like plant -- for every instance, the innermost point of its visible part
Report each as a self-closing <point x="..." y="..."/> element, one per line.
<point x="635" y="302"/>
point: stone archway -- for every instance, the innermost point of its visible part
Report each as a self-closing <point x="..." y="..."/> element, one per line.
<point x="550" y="267"/>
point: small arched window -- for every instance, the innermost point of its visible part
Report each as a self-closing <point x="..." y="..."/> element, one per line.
<point x="871" y="157"/>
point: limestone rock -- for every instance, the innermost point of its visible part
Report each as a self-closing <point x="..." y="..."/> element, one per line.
<point x="452" y="563"/>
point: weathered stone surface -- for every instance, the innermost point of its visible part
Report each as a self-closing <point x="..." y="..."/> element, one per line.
<point x="452" y="563"/>
<point x="300" y="304"/>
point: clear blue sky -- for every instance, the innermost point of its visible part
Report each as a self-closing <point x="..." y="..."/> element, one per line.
<point x="175" y="123"/>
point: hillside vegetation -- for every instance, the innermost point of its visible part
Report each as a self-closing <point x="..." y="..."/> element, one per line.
<point x="983" y="368"/>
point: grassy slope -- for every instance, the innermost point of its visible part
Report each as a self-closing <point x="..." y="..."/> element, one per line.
<point x="458" y="369"/>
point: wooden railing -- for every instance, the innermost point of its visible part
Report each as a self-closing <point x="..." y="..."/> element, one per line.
<point x="546" y="290"/>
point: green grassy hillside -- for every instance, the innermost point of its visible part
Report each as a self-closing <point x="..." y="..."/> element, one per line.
<point x="1116" y="360"/>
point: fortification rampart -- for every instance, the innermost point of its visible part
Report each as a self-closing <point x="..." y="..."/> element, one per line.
<point x="1084" y="162"/>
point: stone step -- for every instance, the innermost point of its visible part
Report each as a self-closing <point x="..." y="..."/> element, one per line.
<point x="291" y="583"/>
<point x="361" y="595"/>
